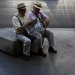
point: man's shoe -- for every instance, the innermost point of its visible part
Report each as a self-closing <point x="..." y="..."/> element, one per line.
<point x="41" y="53"/>
<point x="51" y="49"/>
<point x="25" y="57"/>
<point x="33" y="53"/>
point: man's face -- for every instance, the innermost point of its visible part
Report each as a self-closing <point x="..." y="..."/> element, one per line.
<point x="22" y="11"/>
<point x="36" y="10"/>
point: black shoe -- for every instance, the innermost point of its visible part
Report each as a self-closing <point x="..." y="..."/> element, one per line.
<point x="41" y="53"/>
<point x="25" y="57"/>
<point x="51" y="49"/>
<point x="33" y="53"/>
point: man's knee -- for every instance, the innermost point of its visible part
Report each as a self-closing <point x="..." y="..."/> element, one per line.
<point x="49" y="32"/>
<point x="37" y="38"/>
<point x="27" y="41"/>
<point x="40" y="36"/>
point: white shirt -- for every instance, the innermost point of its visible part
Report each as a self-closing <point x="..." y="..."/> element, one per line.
<point x="16" y="22"/>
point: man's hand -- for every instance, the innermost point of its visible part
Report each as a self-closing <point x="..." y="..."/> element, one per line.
<point x="33" y="21"/>
<point x="42" y="20"/>
<point x="47" y="21"/>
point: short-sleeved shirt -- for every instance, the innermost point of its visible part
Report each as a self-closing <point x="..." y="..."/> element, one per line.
<point x="16" y="22"/>
<point x="31" y="15"/>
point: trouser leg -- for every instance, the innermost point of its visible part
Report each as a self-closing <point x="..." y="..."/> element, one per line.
<point x="36" y="44"/>
<point x="26" y="43"/>
<point x="49" y="35"/>
<point x="40" y="40"/>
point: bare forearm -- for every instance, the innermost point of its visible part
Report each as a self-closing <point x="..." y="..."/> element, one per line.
<point x="22" y="27"/>
<point x="47" y="21"/>
<point x="28" y="23"/>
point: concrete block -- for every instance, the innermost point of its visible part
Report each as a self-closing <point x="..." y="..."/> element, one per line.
<point x="8" y="43"/>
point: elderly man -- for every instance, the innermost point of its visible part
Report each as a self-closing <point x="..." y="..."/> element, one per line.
<point x="37" y="13"/>
<point x="20" y="23"/>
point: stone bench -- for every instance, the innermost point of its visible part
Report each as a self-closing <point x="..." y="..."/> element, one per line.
<point x="8" y="43"/>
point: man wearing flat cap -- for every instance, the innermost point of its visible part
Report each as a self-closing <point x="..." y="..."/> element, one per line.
<point x="19" y="24"/>
<point x="44" y="19"/>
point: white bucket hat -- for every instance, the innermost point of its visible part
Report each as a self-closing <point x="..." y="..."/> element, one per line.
<point x="21" y="6"/>
<point x="38" y="5"/>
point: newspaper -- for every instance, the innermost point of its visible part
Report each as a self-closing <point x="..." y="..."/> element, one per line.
<point x="30" y="29"/>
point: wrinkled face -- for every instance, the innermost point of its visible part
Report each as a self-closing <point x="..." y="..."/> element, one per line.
<point x="36" y="10"/>
<point x="22" y="11"/>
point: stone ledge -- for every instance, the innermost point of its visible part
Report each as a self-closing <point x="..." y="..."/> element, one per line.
<point x="8" y="42"/>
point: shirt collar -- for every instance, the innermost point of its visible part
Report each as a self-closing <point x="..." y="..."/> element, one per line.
<point x="19" y="14"/>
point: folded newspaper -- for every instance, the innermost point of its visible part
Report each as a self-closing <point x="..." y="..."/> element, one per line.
<point x="36" y="27"/>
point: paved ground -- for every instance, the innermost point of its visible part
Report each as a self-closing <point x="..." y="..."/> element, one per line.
<point x="62" y="63"/>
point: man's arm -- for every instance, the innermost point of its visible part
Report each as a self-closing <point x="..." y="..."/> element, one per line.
<point x="17" y="25"/>
<point x="47" y="21"/>
<point x="28" y="23"/>
<point x="45" y="18"/>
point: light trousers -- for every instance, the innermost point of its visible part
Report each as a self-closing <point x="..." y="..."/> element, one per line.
<point x="36" y="42"/>
<point x="28" y="45"/>
<point x="49" y="35"/>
